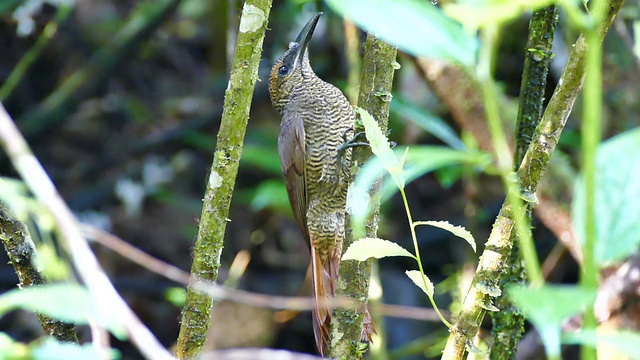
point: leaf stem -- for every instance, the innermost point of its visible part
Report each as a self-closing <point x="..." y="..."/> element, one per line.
<point x="412" y="225"/>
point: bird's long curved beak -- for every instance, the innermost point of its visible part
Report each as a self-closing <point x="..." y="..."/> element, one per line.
<point x="304" y="37"/>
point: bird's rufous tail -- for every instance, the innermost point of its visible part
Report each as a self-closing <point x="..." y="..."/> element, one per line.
<point x="323" y="287"/>
<point x="324" y="274"/>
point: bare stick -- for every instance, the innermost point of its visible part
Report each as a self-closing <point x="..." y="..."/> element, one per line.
<point x="72" y="240"/>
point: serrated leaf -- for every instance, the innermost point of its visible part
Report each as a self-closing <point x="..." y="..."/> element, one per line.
<point x="407" y="23"/>
<point x="381" y="148"/>
<point x="366" y="248"/>
<point x="458" y="231"/>
<point x="417" y="279"/>
<point x="419" y="161"/>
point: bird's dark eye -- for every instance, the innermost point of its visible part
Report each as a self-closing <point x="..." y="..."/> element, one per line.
<point x="283" y="70"/>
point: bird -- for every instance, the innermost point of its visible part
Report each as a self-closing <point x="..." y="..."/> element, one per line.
<point x="315" y="158"/>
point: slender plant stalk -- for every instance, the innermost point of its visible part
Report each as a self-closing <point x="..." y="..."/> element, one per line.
<point x="32" y="55"/>
<point x="547" y="135"/>
<point x="508" y="323"/>
<point x="88" y="78"/>
<point x="21" y="251"/>
<point x="590" y="139"/>
<point x="378" y="67"/>
<point x="209" y="243"/>
<point x="416" y="248"/>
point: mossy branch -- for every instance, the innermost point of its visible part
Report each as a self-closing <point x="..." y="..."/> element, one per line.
<point x="498" y="246"/>
<point x="209" y="243"/>
<point x="508" y="323"/>
<point x="21" y="251"/>
<point x="376" y="80"/>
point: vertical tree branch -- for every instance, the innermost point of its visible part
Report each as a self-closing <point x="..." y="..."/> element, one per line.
<point x="508" y="323"/>
<point x="21" y="251"/>
<point x="533" y="166"/>
<point x="376" y="80"/>
<point x="209" y="243"/>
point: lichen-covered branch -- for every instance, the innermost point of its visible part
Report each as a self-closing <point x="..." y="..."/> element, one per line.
<point x="545" y="139"/>
<point x="378" y="67"/>
<point x="21" y="251"/>
<point x="508" y="322"/>
<point x="209" y="243"/>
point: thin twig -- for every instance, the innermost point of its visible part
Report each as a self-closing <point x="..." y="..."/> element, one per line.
<point x="224" y="293"/>
<point x="72" y="240"/>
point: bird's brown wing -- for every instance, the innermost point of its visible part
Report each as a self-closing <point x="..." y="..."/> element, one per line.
<point x="291" y="146"/>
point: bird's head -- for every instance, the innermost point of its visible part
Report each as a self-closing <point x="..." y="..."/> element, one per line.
<point x="291" y="68"/>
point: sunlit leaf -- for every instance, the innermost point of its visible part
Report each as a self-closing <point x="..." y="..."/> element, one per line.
<point x="417" y="279"/>
<point x="458" y="231"/>
<point x="420" y="160"/>
<point x="625" y="342"/>
<point x="366" y="248"/>
<point x="617" y="209"/>
<point x="67" y="302"/>
<point x="50" y="349"/>
<point x="546" y="307"/>
<point x="476" y="14"/>
<point x="414" y="26"/>
<point x="381" y="148"/>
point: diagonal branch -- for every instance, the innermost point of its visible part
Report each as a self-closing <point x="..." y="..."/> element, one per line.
<point x="21" y="251"/>
<point x="529" y="174"/>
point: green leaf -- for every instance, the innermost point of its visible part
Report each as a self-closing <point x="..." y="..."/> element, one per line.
<point x="381" y="148"/>
<point x="419" y="160"/>
<point x="476" y="14"/>
<point x="366" y="248"/>
<point x="428" y="122"/>
<point x="271" y="194"/>
<point x="52" y="265"/>
<point x="261" y="156"/>
<point x="10" y="349"/>
<point x="417" y="279"/>
<point x="176" y="296"/>
<point x="617" y="209"/>
<point x="414" y="26"/>
<point x="546" y="307"/>
<point x="67" y="302"/>
<point x="458" y="231"/>
<point x="623" y="341"/>
<point x="54" y="350"/>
